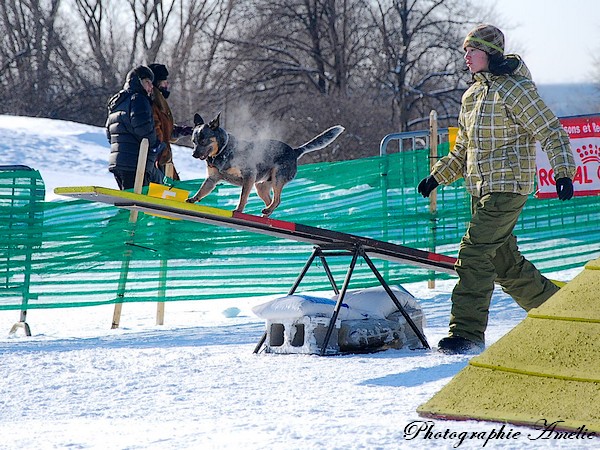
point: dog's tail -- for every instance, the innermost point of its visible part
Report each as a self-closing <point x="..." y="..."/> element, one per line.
<point x="320" y="141"/>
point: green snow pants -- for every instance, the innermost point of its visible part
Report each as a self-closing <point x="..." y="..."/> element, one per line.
<point x="488" y="254"/>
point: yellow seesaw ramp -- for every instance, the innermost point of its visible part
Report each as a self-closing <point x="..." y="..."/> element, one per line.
<point x="545" y="371"/>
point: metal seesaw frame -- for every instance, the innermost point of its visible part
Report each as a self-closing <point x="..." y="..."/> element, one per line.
<point x="356" y="251"/>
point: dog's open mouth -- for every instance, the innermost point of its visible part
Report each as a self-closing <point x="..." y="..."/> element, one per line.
<point x="201" y="153"/>
<point x="211" y="150"/>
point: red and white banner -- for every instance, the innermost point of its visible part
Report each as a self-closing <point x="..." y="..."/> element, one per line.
<point x="584" y="133"/>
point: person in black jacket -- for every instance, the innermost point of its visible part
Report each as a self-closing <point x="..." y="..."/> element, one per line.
<point x="129" y="121"/>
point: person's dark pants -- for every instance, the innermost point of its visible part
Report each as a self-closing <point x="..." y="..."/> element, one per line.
<point x="488" y="253"/>
<point x="126" y="178"/>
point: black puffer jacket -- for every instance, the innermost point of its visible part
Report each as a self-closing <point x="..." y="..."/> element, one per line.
<point x="129" y="121"/>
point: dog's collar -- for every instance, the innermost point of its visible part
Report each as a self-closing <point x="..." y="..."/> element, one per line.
<point x="224" y="145"/>
<point x="221" y="149"/>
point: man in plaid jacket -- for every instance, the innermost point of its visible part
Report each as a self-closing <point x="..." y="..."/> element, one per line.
<point x="501" y="118"/>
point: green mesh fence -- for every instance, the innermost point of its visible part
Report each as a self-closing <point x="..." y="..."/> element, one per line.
<point x="21" y="224"/>
<point x="78" y="253"/>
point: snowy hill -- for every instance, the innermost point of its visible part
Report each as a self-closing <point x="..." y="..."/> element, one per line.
<point x="571" y="99"/>
<point x="194" y="383"/>
<point x="69" y="153"/>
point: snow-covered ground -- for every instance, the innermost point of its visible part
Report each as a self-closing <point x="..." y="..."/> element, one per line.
<point x="194" y="383"/>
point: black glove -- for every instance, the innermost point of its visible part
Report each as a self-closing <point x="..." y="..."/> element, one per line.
<point x="427" y="185"/>
<point x="180" y="130"/>
<point x="564" y="188"/>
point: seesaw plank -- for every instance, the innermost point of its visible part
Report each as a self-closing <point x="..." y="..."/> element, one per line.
<point x="264" y="225"/>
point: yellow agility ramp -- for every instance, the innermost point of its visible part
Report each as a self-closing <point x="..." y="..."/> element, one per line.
<point x="543" y="373"/>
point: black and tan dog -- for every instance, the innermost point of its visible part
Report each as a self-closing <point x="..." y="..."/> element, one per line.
<point x="268" y="165"/>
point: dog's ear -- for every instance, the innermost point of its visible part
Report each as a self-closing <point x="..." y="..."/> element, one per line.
<point x="214" y="124"/>
<point x="198" y="120"/>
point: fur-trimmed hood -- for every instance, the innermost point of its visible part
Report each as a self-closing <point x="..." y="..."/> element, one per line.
<point x="133" y="85"/>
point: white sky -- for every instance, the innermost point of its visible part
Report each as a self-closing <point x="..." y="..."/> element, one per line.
<point x="558" y="39"/>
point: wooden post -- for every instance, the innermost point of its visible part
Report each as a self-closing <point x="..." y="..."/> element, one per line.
<point x="162" y="284"/>
<point x="133" y="217"/>
<point x="433" y="144"/>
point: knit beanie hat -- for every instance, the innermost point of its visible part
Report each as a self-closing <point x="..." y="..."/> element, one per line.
<point x="487" y="38"/>
<point x="160" y="72"/>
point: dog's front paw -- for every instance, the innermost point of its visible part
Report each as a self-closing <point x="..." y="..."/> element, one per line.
<point x="266" y="212"/>
<point x="191" y="200"/>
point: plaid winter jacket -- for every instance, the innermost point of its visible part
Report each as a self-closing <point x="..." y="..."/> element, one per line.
<point x="500" y="119"/>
